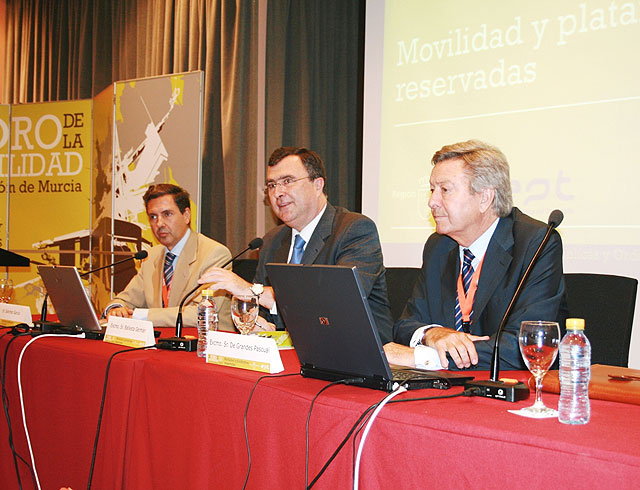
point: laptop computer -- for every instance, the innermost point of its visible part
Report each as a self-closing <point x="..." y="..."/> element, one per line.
<point x="69" y="297"/>
<point x="327" y="314"/>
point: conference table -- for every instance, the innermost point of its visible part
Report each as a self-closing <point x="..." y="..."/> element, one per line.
<point x="172" y="421"/>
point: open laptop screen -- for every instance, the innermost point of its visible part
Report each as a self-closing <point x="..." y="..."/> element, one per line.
<point x="327" y="315"/>
<point x="69" y="297"/>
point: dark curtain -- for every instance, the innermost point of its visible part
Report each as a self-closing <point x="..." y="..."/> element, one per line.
<point x="73" y="49"/>
<point x="315" y="59"/>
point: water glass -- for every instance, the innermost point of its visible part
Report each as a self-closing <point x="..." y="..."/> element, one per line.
<point x="539" y="342"/>
<point x="6" y="290"/>
<point x="244" y="312"/>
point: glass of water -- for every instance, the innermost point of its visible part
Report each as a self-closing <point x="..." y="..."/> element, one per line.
<point x="539" y="342"/>
<point x="6" y="289"/>
<point x="244" y="312"/>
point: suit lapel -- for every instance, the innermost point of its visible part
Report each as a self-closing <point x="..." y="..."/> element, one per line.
<point x="158" y="272"/>
<point x="448" y="279"/>
<point x="319" y="236"/>
<point x="281" y="254"/>
<point x="495" y="265"/>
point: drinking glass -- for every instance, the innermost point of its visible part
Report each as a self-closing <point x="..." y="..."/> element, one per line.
<point x="244" y="312"/>
<point x="539" y="342"/>
<point x="6" y="290"/>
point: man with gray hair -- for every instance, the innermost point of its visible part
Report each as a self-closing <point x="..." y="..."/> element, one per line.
<point x="472" y="265"/>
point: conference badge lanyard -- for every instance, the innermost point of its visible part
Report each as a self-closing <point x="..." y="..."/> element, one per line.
<point x="165" y="293"/>
<point x="466" y="300"/>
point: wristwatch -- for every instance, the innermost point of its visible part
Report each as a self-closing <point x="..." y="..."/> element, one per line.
<point x="257" y="289"/>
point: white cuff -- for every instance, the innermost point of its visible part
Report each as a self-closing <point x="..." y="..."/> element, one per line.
<point x="274" y="309"/>
<point x="426" y="357"/>
<point x="140" y="314"/>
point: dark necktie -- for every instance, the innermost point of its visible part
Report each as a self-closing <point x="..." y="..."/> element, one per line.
<point x="467" y="274"/>
<point x="298" y="250"/>
<point x="168" y="267"/>
<point x="467" y="269"/>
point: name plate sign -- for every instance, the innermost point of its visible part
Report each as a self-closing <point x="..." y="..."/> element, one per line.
<point x="283" y="341"/>
<point x="244" y="351"/>
<point x="129" y="332"/>
<point x="14" y="314"/>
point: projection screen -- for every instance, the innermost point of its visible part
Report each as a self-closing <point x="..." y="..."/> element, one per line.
<point x="555" y="85"/>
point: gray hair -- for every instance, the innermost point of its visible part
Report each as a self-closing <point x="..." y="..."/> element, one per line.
<point x="487" y="168"/>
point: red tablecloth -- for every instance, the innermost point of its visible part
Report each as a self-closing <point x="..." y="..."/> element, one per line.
<point x="173" y="421"/>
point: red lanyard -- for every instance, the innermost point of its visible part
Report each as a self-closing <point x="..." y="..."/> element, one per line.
<point x="165" y="293"/>
<point x="466" y="300"/>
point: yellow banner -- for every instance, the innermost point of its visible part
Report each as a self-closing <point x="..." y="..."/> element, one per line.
<point x="48" y="172"/>
<point x="4" y="155"/>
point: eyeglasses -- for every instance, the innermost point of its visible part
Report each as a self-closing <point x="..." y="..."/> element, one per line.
<point x="285" y="183"/>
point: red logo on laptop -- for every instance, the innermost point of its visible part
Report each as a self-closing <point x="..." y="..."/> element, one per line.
<point x="323" y="320"/>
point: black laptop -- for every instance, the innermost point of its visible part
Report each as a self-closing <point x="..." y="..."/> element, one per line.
<point x="69" y="297"/>
<point x="328" y="317"/>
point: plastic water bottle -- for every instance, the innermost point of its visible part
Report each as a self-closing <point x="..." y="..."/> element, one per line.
<point x="575" y="373"/>
<point x="207" y="319"/>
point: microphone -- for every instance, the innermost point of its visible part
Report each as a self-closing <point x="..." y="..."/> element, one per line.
<point x="555" y="218"/>
<point x="253" y="245"/>
<point x="180" y="343"/>
<point x="494" y="388"/>
<point x="142" y="254"/>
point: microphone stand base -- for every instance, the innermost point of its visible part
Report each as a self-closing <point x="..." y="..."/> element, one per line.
<point x="178" y="343"/>
<point x="94" y="334"/>
<point x="509" y="392"/>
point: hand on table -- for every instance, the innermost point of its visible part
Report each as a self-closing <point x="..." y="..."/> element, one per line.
<point x="121" y="311"/>
<point x="459" y="345"/>
<point x="263" y="325"/>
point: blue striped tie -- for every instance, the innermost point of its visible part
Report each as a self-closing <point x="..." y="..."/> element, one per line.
<point x="467" y="269"/>
<point x="467" y="274"/>
<point x="168" y="267"/>
<point x="298" y="250"/>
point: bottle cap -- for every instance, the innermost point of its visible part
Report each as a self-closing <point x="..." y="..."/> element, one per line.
<point x="575" y="323"/>
<point x="207" y="292"/>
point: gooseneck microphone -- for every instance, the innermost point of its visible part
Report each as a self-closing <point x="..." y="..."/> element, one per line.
<point x="180" y="343"/>
<point x="494" y="388"/>
<point x="142" y="254"/>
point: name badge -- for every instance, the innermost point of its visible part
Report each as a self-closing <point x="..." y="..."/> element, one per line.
<point x="129" y="332"/>
<point x="244" y="351"/>
<point x="13" y="314"/>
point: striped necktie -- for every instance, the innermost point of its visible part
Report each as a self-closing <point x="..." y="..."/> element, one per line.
<point x="168" y="267"/>
<point x="298" y="250"/>
<point x="467" y="274"/>
<point x="467" y="269"/>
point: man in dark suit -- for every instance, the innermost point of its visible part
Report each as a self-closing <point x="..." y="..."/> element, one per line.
<point x="314" y="232"/>
<point x="472" y="266"/>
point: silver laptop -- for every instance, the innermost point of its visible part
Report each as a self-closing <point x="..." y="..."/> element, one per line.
<point x="69" y="297"/>
<point x="326" y="312"/>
